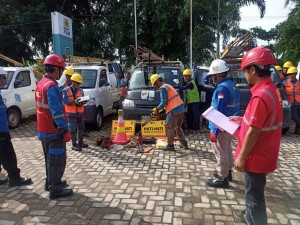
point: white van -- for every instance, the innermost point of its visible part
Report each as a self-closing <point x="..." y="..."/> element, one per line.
<point x="18" y="94"/>
<point x="103" y="99"/>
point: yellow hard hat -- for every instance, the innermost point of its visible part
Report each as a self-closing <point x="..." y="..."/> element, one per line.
<point x="292" y="70"/>
<point x="154" y="78"/>
<point x="69" y="71"/>
<point x="287" y="64"/>
<point x="77" y="78"/>
<point x="187" y="72"/>
<point x="278" y="68"/>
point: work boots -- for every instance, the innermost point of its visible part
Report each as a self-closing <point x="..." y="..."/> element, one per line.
<point x="62" y="184"/>
<point x="169" y="148"/>
<point x="3" y="182"/>
<point x="184" y="144"/>
<point x="58" y="192"/>
<point x="218" y="183"/>
<point x="19" y="182"/>
<point x="229" y="177"/>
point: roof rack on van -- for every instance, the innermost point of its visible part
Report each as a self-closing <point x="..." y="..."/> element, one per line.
<point x="80" y="60"/>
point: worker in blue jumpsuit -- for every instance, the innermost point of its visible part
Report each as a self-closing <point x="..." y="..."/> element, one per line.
<point x="192" y="101"/>
<point x="226" y="99"/>
<point x="8" y="157"/>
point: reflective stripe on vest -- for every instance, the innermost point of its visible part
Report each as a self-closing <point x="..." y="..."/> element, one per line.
<point x="173" y="98"/>
<point x="73" y="108"/>
<point x="272" y="125"/>
<point x="292" y="90"/>
<point x="44" y="117"/>
<point x="193" y="94"/>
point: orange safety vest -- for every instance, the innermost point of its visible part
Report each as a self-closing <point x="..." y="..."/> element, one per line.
<point x="173" y="98"/>
<point x="292" y="90"/>
<point x="73" y="108"/>
<point x="123" y="91"/>
<point x="44" y="117"/>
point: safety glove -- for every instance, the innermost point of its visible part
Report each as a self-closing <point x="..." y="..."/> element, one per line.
<point x="213" y="137"/>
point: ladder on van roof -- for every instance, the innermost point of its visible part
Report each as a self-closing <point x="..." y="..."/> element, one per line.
<point x="80" y="60"/>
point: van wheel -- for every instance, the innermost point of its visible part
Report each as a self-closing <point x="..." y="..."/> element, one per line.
<point x="14" y="118"/>
<point x="98" y="120"/>
<point x="285" y="130"/>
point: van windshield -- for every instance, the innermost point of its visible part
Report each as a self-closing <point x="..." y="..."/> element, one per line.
<point x="88" y="78"/>
<point x="9" y="77"/>
<point x="141" y="76"/>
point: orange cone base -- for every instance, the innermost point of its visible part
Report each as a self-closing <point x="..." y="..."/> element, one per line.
<point x="121" y="139"/>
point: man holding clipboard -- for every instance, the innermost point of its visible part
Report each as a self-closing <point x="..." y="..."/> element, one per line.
<point x="226" y="100"/>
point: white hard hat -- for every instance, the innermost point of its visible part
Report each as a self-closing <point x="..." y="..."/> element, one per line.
<point x="2" y="71"/>
<point x="218" y="66"/>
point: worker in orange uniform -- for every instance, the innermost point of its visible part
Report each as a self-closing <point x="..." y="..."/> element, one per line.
<point x="172" y="103"/>
<point x="123" y="87"/>
<point x="286" y="66"/>
<point x="68" y="72"/>
<point x="291" y="88"/>
<point x="260" y="133"/>
<point x="74" y="110"/>
<point x="192" y="101"/>
<point x="52" y="127"/>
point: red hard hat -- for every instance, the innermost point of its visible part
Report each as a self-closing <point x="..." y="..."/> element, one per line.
<point x="55" y="60"/>
<point x="258" y="56"/>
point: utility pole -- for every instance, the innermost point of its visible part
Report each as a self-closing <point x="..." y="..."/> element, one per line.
<point x="191" y="34"/>
<point x="218" y="31"/>
<point x="135" y="30"/>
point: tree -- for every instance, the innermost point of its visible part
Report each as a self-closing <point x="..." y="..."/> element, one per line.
<point x="288" y="36"/>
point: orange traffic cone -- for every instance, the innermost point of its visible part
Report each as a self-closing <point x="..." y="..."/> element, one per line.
<point x="121" y="137"/>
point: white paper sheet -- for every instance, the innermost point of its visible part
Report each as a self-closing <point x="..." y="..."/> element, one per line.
<point x="221" y="121"/>
<point x="84" y="98"/>
<point x="144" y="94"/>
<point x="151" y="94"/>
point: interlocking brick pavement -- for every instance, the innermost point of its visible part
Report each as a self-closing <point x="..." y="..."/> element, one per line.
<point x="128" y="188"/>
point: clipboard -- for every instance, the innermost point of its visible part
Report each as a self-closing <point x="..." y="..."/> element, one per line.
<point x="221" y="121"/>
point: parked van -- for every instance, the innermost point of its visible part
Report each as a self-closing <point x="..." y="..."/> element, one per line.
<point x="18" y="94"/>
<point x="141" y="96"/>
<point x="103" y="98"/>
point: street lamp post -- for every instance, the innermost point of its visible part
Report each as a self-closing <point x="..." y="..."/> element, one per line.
<point x="191" y="34"/>
<point x="218" y="31"/>
<point x="135" y="30"/>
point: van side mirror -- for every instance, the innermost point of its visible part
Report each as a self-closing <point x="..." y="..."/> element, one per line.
<point x="17" y="84"/>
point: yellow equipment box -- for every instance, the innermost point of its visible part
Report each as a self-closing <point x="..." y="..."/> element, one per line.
<point x="154" y="129"/>
<point x="129" y="127"/>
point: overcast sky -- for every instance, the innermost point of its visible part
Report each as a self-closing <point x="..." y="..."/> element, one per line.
<point x="275" y="13"/>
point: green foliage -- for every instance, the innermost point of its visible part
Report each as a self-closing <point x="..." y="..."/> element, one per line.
<point x="288" y="36"/>
<point x="102" y="27"/>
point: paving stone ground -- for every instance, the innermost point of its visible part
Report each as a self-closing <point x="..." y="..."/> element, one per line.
<point x="123" y="187"/>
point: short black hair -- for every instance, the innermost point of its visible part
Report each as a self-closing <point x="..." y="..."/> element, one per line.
<point x="261" y="71"/>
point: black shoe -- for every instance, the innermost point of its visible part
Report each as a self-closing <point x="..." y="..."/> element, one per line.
<point x="60" y="193"/>
<point x="3" y="182"/>
<point x="77" y="148"/>
<point x="169" y="148"/>
<point x="241" y="216"/>
<point x="229" y="177"/>
<point x="19" y="182"/>
<point x="218" y="183"/>
<point x="184" y="145"/>
<point x="83" y="145"/>
<point x="62" y="184"/>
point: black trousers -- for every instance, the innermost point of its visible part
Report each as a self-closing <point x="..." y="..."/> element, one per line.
<point x="8" y="158"/>
<point x="55" y="163"/>
<point x="193" y="116"/>
<point x="296" y="116"/>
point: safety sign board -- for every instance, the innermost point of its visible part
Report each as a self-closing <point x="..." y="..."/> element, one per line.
<point x="129" y="127"/>
<point x="154" y="129"/>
